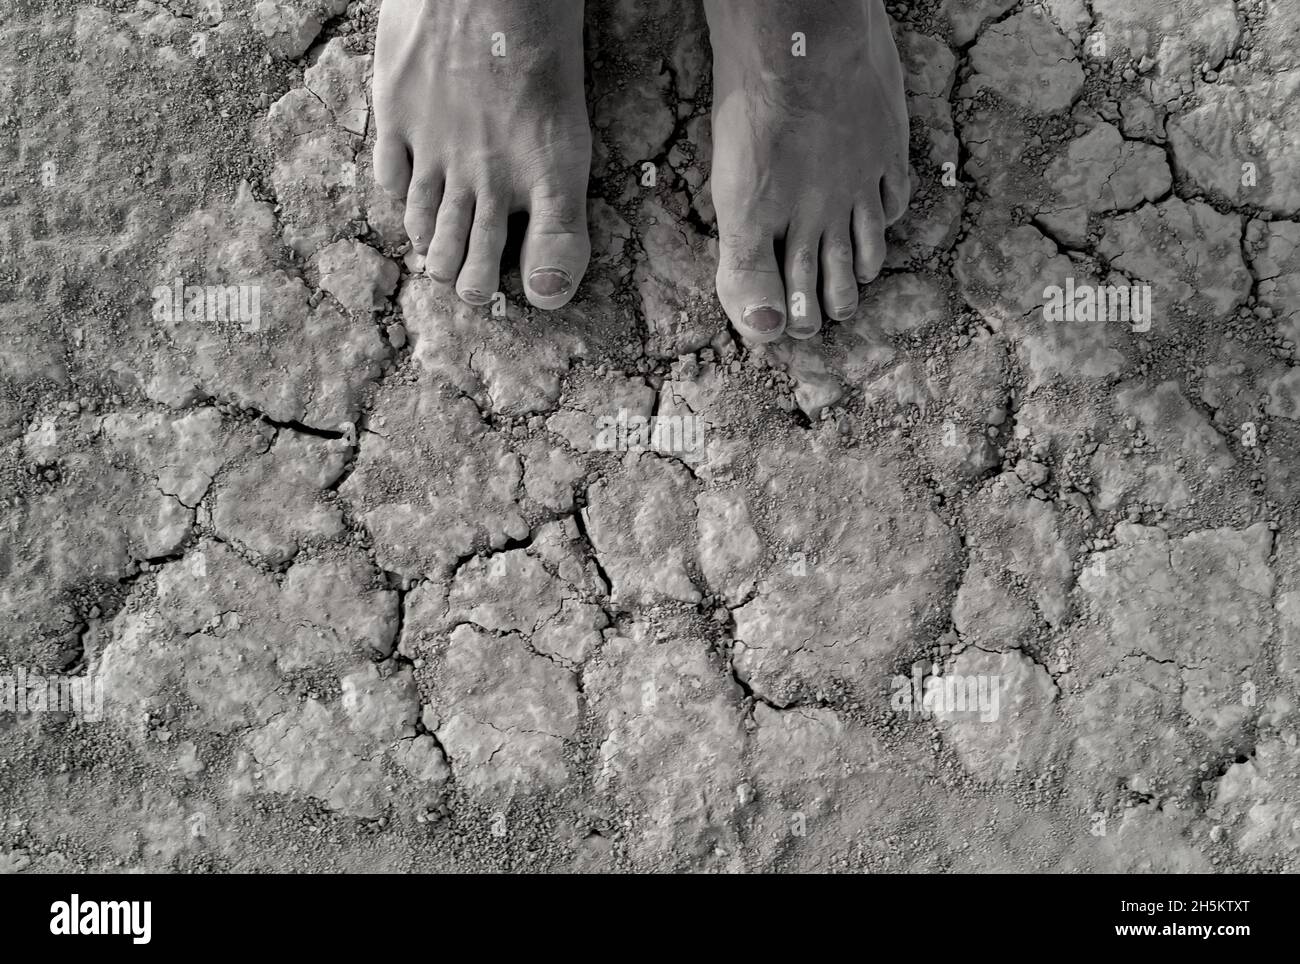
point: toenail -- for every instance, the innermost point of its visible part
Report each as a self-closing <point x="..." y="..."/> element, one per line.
<point x="549" y="282"/>
<point x="474" y="296"/>
<point x="764" y="318"/>
<point x="839" y="314"/>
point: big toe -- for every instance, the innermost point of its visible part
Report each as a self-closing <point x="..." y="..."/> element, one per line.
<point x="556" y="250"/>
<point x="750" y="288"/>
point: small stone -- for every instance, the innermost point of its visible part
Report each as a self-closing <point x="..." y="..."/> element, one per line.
<point x="1031" y="473"/>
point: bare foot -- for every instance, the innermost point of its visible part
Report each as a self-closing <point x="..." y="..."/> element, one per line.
<point x="810" y="139"/>
<point x="481" y="113"/>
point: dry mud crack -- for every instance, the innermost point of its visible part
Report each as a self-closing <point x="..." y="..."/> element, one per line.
<point x="366" y="586"/>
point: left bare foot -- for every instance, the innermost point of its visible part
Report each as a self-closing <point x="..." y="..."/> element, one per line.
<point x="810" y="137"/>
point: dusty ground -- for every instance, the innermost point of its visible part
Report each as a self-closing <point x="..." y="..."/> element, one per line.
<point x="363" y="592"/>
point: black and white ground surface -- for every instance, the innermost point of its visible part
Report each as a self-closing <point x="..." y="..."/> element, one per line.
<point x="362" y="586"/>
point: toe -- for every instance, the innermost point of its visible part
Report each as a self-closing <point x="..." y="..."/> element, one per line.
<point x="392" y="166"/>
<point x="556" y="249"/>
<point x="803" y="307"/>
<point x="868" y="238"/>
<point x="839" y="284"/>
<point x="750" y="288"/>
<point x="422" y="200"/>
<point x="895" y="192"/>
<point x="481" y="276"/>
<point x="447" y="249"/>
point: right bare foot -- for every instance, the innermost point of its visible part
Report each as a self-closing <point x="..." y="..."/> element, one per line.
<point x="481" y="113"/>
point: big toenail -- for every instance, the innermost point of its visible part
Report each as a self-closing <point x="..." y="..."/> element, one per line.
<point x="764" y="318"/>
<point x="549" y="282"/>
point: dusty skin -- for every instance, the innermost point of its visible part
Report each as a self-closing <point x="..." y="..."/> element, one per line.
<point x="809" y="157"/>
<point x="365" y="584"/>
<point x="810" y="147"/>
<point x="481" y="114"/>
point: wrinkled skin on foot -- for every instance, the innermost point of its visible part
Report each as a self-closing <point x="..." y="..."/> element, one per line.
<point x="810" y="157"/>
<point x="481" y="114"/>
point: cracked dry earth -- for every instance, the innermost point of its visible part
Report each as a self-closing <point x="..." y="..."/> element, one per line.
<point x="364" y="592"/>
